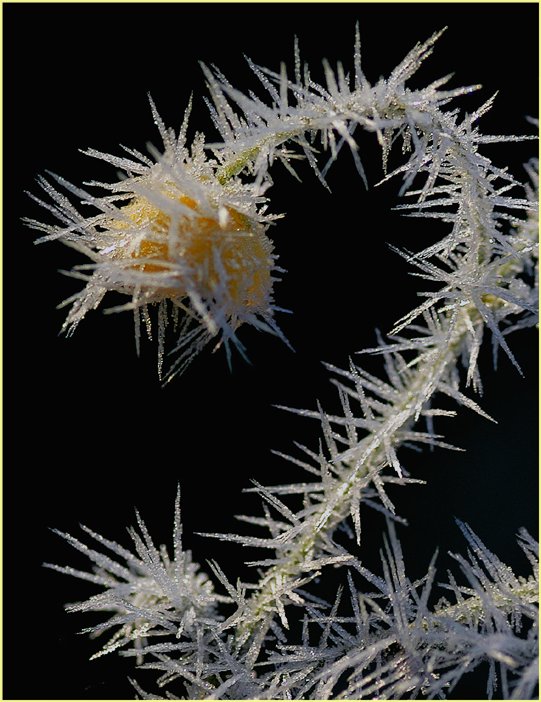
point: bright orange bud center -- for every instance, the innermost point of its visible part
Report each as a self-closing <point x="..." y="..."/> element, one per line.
<point x="234" y="255"/>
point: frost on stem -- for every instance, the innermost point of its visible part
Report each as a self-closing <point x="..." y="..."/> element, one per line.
<point x="388" y="644"/>
<point x="170" y="235"/>
<point x="486" y="266"/>
<point x="186" y="232"/>
<point x="393" y="645"/>
<point x="486" y="269"/>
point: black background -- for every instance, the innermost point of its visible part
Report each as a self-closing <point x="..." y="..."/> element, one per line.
<point x="89" y="433"/>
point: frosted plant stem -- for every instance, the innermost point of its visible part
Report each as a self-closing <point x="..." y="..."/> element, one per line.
<point x="482" y="268"/>
<point x="369" y="459"/>
<point x="370" y="456"/>
<point x="472" y="607"/>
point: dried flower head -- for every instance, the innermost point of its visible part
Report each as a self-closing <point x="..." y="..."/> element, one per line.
<point x="174" y="234"/>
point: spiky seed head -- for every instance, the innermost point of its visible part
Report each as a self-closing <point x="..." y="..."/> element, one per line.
<point x="226" y="252"/>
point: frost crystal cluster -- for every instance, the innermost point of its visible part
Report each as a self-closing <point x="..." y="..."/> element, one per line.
<point x="175" y="235"/>
<point x="186" y="232"/>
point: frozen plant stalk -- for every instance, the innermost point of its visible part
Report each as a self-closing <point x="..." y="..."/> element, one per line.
<point x="150" y="241"/>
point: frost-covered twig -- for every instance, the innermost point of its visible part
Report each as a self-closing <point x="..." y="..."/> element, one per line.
<point x="394" y="645"/>
<point x="188" y="231"/>
<point x="391" y="645"/>
<point x="187" y="234"/>
<point x="480" y="264"/>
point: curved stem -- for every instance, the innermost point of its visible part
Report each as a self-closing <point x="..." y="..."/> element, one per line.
<point x="370" y="456"/>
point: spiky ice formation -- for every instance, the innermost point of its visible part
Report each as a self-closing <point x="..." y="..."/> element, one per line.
<point x="170" y="234"/>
